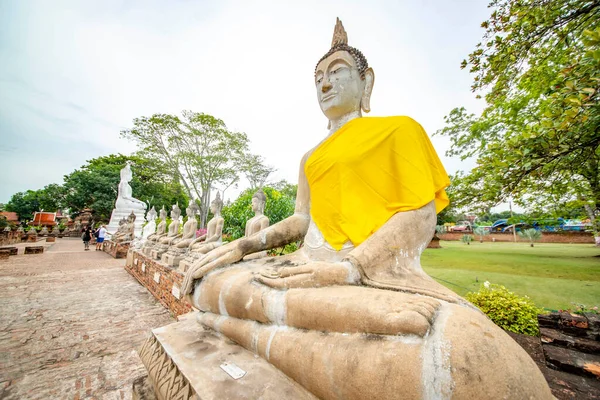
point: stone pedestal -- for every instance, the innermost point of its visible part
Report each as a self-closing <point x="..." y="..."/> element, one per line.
<point x="173" y="257"/>
<point x="32" y="238"/>
<point x="13" y="251"/>
<point x="4" y="254"/>
<point x="163" y="282"/>
<point x="50" y="239"/>
<point x="116" y="250"/>
<point x="118" y="215"/>
<point x="157" y="252"/>
<point x="34" y="249"/>
<point x="185" y="361"/>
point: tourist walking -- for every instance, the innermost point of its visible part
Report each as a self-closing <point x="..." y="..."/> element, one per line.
<point x="100" y="234"/>
<point x="86" y="236"/>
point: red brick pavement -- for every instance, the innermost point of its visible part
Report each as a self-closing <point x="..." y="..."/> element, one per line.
<point x="71" y="322"/>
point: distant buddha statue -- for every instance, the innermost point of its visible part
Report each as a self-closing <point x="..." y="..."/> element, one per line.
<point x="161" y="231"/>
<point x="352" y="315"/>
<point x="209" y="241"/>
<point x="150" y="227"/>
<point x="164" y="242"/>
<point x="126" y="203"/>
<point x="180" y="244"/>
<point x="257" y="223"/>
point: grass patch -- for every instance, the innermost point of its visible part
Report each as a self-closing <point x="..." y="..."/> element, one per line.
<point x="554" y="275"/>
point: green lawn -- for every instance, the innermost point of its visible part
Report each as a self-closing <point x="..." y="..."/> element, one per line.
<point x="554" y="275"/>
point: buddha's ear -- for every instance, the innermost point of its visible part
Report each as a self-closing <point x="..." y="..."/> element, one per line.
<point x="365" y="101"/>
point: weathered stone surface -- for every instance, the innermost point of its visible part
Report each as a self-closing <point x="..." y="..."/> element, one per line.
<point x="70" y="325"/>
<point x="549" y="320"/>
<point x="115" y="250"/>
<point x="195" y="356"/>
<point x="142" y="389"/>
<point x="167" y="289"/>
<point x="564" y="386"/>
<point x="50" y="239"/>
<point x="34" y="249"/>
<point x="573" y="361"/>
<point x="557" y="338"/>
<point x="4" y="254"/>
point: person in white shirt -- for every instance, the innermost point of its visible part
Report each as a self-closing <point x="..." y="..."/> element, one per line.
<point x="100" y="234"/>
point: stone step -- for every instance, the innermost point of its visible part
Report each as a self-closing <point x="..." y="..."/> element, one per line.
<point x="572" y="361"/>
<point x="552" y="336"/>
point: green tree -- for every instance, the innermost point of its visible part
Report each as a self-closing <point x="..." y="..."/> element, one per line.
<point x="538" y="139"/>
<point x="481" y="232"/>
<point x="25" y="204"/>
<point x="278" y="207"/>
<point x="95" y="185"/>
<point x="197" y="148"/>
<point x="533" y="235"/>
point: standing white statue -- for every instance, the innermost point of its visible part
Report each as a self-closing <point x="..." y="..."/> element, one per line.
<point x="126" y="204"/>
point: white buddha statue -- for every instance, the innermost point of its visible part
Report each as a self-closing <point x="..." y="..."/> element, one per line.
<point x="127" y="204"/>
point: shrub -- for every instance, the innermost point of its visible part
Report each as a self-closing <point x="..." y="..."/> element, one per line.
<point x="481" y="232"/>
<point x="532" y="235"/>
<point x="506" y="309"/>
<point x="466" y="239"/>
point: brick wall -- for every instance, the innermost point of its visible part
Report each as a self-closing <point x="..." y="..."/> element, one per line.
<point x="548" y="237"/>
<point x="116" y="250"/>
<point x="167" y="290"/>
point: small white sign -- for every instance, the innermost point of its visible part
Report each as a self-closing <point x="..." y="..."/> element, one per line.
<point x="233" y="370"/>
<point x="157" y="277"/>
<point x="175" y="292"/>
<point x="143" y="267"/>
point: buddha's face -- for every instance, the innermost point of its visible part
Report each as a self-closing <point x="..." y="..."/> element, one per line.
<point x="214" y="207"/>
<point x="340" y="88"/>
<point x="257" y="204"/>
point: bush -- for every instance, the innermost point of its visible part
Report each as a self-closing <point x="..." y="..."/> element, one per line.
<point x="506" y="309"/>
<point x="466" y="239"/>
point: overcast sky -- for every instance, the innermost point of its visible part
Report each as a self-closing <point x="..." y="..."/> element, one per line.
<point x="74" y="73"/>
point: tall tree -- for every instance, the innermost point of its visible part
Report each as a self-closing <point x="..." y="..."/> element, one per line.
<point x="538" y="69"/>
<point x="25" y="204"/>
<point x="95" y="184"/>
<point x="198" y="148"/>
<point x="255" y="170"/>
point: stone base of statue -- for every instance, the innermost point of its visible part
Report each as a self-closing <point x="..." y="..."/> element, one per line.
<point x="188" y="260"/>
<point x="185" y="361"/>
<point x="158" y="250"/>
<point x="118" y="215"/>
<point x="173" y="257"/>
<point x="116" y="249"/>
<point x="163" y="282"/>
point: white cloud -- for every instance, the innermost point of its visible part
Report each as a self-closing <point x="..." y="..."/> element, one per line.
<point x="78" y="72"/>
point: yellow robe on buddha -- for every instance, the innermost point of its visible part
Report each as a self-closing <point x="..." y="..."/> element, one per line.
<point x="367" y="171"/>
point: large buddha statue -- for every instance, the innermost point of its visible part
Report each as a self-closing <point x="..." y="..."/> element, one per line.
<point x="212" y="239"/>
<point x="161" y="231"/>
<point x="126" y="204"/>
<point x="179" y="246"/>
<point x="352" y="315"/>
<point x="164" y="242"/>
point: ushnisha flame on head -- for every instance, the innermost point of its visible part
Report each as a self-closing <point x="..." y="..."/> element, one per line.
<point x="340" y="43"/>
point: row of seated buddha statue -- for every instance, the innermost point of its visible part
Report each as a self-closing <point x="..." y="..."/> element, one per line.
<point x="182" y="250"/>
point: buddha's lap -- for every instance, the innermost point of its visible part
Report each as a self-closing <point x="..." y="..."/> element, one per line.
<point x="233" y="291"/>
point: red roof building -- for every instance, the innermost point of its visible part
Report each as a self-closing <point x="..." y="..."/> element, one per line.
<point x="10" y="216"/>
<point x="44" y="218"/>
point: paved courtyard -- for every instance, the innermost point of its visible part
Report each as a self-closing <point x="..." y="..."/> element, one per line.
<point x="71" y="322"/>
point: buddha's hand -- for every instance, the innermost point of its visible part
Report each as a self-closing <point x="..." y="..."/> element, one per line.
<point x="314" y="274"/>
<point x="217" y="258"/>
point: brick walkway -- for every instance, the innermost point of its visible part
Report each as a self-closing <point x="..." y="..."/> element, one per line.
<point x="71" y="322"/>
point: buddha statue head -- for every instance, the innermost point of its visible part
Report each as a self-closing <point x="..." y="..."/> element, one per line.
<point x="163" y="214"/>
<point x="151" y="215"/>
<point x="131" y="218"/>
<point x="126" y="174"/>
<point x="258" y="201"/>
<point x="192" y="209"/>
<point x="175" y="212"/>
<point x="216" y="205"/>
<point x="343" y="78"/>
